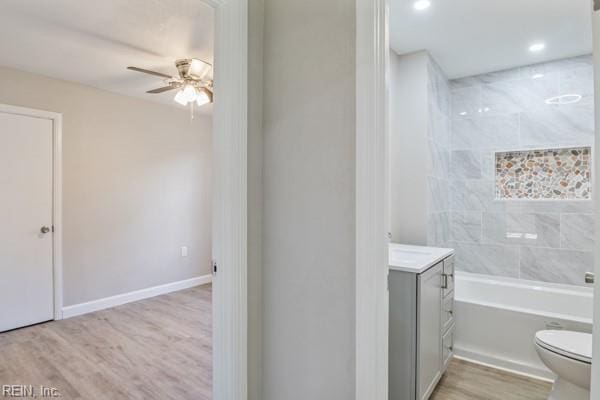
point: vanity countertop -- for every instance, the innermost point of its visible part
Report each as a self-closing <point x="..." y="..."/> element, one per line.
<point x="415" y="259"/>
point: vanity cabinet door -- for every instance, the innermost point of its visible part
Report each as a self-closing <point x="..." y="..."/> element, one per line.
<point x="429" y="320"/>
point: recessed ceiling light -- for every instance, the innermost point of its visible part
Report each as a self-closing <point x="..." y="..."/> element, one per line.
<point x="534" y="48"/>
<point x="421" y="5"/>
<point x="537" y="76"/>
<point x="564" y="99"/>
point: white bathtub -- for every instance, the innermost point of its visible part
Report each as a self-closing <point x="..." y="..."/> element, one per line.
<point x="496" y="319"/>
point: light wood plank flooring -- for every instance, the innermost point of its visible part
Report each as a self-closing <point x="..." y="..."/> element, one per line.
<point x="468" y="381"/>
<point x="159" y="348"/>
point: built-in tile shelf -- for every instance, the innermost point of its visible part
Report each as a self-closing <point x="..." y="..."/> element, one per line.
<point x="544" y="174"/>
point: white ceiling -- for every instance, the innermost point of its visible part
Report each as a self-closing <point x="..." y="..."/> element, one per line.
<point x="468" y="37"/>
<point x="92" y="42"/>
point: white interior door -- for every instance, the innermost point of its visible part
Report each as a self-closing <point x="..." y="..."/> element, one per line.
<point x="26" y="266"/>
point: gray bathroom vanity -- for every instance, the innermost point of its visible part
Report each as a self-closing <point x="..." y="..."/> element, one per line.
<point x="421" y="328"/>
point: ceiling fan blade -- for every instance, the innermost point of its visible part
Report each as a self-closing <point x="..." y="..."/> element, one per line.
<point x="163" y="89"/>
<point x="147" y="71"/>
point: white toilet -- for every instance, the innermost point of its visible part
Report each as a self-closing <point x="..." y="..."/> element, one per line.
<point x="569" y="355"/>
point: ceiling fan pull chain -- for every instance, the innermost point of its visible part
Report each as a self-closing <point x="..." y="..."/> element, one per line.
<point x="191" y="111"/>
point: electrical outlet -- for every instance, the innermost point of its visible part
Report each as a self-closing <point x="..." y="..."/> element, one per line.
<point x="184" y="251"/>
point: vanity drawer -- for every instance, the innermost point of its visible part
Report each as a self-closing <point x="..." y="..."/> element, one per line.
<point x="448" y="276"/>
<point x="447" y="348"/>
<point x="447" y="313"/>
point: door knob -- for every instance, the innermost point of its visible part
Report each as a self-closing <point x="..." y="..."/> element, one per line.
<point x="44" y="229"/>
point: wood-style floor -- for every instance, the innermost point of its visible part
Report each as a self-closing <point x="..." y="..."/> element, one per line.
<point x="159" y="348"/>
<point x="468" y="381"/>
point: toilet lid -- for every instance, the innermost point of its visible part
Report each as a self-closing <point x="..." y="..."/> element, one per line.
<point x="576" y="345"/>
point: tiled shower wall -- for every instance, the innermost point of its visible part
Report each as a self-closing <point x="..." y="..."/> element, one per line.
<point x="550" y="240"/>
<point x="438" y="201"/>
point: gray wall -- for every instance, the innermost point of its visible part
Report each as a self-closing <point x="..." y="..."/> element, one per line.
<point x="309" y="200"/>
<point x="136" y="186"/>
<point x="408" y="147"/>
<point x="505" y="110"/>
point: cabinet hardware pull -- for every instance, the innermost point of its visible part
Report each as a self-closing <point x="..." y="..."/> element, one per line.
<point x="589" y="277"/>
<point x="444" y="281"/>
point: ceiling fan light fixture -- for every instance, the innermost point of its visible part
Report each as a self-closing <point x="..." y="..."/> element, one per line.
<point x="203" y="97"/>
<point x="199" y="68"/>
<point x="181" y="98"/>
<point x="190" y="93"/>
<point x="193" y="84"/>
<point x="421" y="5"/>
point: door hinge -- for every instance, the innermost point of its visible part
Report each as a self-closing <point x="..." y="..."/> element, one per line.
<point x="214" y="267"/>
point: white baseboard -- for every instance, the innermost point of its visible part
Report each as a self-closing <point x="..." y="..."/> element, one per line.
<point x="113" y="301"/>
<point x="512" y="366"/>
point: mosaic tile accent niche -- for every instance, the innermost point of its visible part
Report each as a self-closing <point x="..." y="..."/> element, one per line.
<point x="544" y="174"/>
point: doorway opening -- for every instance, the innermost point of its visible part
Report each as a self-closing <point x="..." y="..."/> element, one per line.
<point x="152" y="199"/>
<point x="497" y="128"/>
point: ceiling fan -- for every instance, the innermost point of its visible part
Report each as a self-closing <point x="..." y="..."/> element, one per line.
<point x="194" y="82"/>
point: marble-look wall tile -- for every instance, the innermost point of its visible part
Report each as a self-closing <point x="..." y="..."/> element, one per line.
<point x="439" y="162"/>
<point x="465" y="164"/>
<point x="486" y="132"/>
<point x="557" y="206"/>
<point x="531" y="71"/>
<point x="439" y="128"/>
<point x="477" y="195"/>
<point x="439" y="94"/>
<point x="540" y="230"/>
<point x="578" y="81"/>
<point x="488" y="164"/>
<point x="466" y="102"/>
<point x="438" y="88"/>
<point x="520" y="95"/>
<point x="533" y="93"/>
<point x="465" y="226"/>
<point x="438" y="219"/>
<point x="577" y="231"/>
<point x="501" y="98"/>
<point x="565" y="125"/>
<point x="555" y="265"/>
<point x="438" y="229"/>
<point x="471" y="195"/>
<point x="438" y="199"/>
<point x="494" y="228"/>
<point x="487" y="259"/>
<point x="485" y="79"/>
